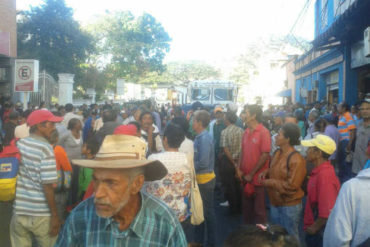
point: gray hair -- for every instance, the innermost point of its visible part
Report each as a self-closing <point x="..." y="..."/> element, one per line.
<point x="132" y="173"/>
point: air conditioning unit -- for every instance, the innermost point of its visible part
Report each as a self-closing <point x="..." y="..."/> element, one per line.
<point x="367" y="42"/>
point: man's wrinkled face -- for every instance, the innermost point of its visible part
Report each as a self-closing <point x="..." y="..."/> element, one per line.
<point x="112" y="191"/>
<point x="46" y="129"/>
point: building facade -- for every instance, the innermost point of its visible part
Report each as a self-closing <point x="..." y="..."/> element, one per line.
<point x="8" y="45"/>
<point x="336" y="69"/>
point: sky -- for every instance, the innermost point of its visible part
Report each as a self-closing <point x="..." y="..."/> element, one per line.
<point x="214" y="31"/>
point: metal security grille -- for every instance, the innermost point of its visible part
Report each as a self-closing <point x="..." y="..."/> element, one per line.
<point x="48" y="88"/>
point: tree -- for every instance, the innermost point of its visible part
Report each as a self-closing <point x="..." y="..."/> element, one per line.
<point x="131" y="47"/>
<point x="184" y="72"/>
<point x="89" y="76"/>
<point x="49" y="34"/>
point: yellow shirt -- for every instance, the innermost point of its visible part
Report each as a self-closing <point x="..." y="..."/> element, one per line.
<point x="205" y="177"/>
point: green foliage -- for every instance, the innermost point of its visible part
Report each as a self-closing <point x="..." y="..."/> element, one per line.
<point x="49" y="34"/>
<point x="131" y="47"/>
<point x="89" y="76"/>
<point x="183" y="73"/>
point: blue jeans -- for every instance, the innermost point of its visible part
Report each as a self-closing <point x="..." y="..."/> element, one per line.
<point x="287" y="217"/>
<point x="209" y="224"/>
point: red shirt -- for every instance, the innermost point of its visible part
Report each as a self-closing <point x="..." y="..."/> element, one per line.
<point x="253" y="145"/>
<point x="322" y="191"/>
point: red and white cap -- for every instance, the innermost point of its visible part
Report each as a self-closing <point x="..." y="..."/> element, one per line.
<point x="40" y="116"/>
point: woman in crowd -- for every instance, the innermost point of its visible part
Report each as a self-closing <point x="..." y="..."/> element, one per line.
<point x="174" y="188"/>
<point x="150" y="133"/>
<point x="72" y="140"/>
<point x="64" y="171"/>
<point x="284" y="179"/>
<point x="72" y="143"/>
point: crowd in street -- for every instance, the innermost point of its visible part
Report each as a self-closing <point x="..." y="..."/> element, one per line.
<point x="142" y="174"/>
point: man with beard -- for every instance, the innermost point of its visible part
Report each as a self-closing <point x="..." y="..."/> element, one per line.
<point x="119" y="214"/>
<point x="35" y="211"/>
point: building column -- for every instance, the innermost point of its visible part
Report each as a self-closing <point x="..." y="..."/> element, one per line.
<point x="65" y="82"/>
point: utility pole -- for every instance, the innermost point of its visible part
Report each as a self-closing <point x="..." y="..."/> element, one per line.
<point x="44" y="89"/>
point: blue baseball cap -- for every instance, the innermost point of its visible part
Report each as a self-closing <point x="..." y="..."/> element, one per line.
<point x="280" y="114"/>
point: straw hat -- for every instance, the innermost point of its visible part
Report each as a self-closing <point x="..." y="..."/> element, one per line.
<point x="124" y="152"/>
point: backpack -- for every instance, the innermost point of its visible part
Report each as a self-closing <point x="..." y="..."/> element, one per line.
<point x="8" y="178"/>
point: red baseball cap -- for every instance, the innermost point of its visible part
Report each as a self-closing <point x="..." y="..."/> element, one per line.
<point x="40" y="116"/>
<point x="129" y="129"/>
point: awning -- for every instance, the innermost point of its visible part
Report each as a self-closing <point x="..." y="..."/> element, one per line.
<point x="353" y="21"/>
<point x="285" y="93"/>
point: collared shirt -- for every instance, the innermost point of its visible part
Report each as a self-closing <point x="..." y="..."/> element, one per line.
<point x="348" y="224"/>
<point x="254" y="143"/>
<point x="204" y="153"/>
<point x="155" y="225"/>
<point x="322" y="191"/>
<point x="362" y="141"/>
<point x="345" y="124"/>
<point x="38" y="168"/>
<point x="231" y="138"/>
<point x="174" y="188"/>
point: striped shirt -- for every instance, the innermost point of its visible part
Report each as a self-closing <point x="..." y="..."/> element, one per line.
<point x="345" y="124"/>
<point x="155" y="225"/>
<point x="37" y="167"/>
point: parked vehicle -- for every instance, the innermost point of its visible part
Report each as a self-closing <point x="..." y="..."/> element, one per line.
<point x="212" y="92"/>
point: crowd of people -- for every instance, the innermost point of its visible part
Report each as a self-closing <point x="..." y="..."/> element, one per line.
<point x="124" y="175"/>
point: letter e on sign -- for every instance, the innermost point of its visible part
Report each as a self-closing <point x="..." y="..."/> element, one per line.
<point x="24" y="72"/>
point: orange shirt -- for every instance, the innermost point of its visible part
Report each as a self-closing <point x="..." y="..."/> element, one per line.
<point x="61" y="159"/>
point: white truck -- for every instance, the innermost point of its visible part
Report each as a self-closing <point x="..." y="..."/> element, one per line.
<point x="212" y="92"/>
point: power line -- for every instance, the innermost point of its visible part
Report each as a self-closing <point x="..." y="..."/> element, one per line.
<point x="301" y="13"/>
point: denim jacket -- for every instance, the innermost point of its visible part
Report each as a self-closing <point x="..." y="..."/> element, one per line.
<point x="204" y="153"/>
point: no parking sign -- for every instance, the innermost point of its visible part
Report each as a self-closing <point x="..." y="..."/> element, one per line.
<point x="26" y="75"/>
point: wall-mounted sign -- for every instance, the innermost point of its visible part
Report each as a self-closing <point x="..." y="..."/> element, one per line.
<point x="26" y="75"/>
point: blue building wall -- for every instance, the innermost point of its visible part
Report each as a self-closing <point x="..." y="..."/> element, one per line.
<point x="330" y="11"/>
<point x="308" y="82"/>
<point x="351" y="87"/>
<point x="347" y="81"/>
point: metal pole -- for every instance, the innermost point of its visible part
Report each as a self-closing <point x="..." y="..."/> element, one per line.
<point x="25" y="100"/>
<point x="44" y="89"/>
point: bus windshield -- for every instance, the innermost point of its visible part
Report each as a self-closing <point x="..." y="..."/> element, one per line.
<point x="200" y="94"/>
<point x="223" y="94"/>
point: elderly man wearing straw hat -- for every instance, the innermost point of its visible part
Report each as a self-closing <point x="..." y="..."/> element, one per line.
<point x="119" y="214"/>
